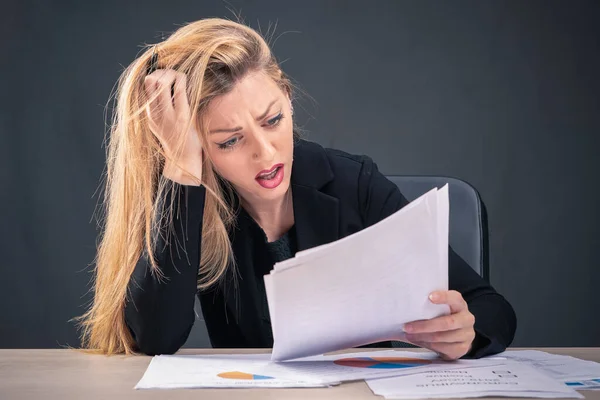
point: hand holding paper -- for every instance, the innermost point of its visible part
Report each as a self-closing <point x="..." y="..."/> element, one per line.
<point x="450" y="336"/>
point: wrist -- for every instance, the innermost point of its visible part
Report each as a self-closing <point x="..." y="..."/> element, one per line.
<point x="183" y="175"/>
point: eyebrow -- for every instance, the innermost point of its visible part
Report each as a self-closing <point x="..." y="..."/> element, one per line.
<point x="239" y="128"/>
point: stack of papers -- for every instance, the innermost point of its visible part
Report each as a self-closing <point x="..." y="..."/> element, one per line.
<point x="510" y="379"/>
<point x="363" y="288"/>
<point x="576" y="373"/>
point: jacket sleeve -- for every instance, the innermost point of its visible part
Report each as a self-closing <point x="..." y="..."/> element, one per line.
<point x="223" y="331"/>
<point x="160" y="312"/>
<point x="495" y="320"/>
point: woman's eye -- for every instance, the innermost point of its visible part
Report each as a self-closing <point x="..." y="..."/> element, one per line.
<point x="275" y="120"/>
<point x="228" y="144"/>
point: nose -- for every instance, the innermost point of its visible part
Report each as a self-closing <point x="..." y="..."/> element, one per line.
<point x="263" y="148"/>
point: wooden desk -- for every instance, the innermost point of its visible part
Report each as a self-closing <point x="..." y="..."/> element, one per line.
<point x="69" y="374"/>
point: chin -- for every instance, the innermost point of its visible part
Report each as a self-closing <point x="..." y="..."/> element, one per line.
<point x="272" y="194"/>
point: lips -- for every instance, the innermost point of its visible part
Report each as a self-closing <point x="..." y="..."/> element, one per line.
<point x="271" y="178"/>
<point x="268" y="173"/>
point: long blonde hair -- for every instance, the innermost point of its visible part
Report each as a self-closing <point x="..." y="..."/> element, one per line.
<point x="214" y="54"/>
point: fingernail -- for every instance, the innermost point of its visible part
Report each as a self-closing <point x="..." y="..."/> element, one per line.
<point x="434" y="297"/>
<point x="408" y="328"/>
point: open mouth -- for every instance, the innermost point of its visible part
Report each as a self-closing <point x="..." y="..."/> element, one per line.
<point x="268" y="176"/>
<point x="271" y="178"/>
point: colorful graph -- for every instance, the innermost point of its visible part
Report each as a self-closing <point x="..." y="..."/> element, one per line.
<point x="381" y="362"/>
<point x="242" y="375"/>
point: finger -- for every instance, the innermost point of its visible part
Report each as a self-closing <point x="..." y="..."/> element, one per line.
<point x="449" y="351"/>
<point x="454" y="336"/>
<point x="165" y="81"/>
<point x="451" y="297"/>
<point x="154" y="84"/>
<point x="153" y="106"/>
<point x="155" y="87"/>
<point x="182" y="107"/>
<point x="163" y="74"/>
<point x="445" y="323"/>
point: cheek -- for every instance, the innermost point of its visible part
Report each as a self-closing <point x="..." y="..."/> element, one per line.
<point x="219" y="162"/>
<point x="228" y="165"/>
<point x="286" y="140"/>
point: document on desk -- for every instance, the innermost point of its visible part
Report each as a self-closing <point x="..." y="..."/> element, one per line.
<point x="215" y="371"/>
<point x="363" y="288"/>
<point x="577" y="373"/>
<point x="511" y="379"/>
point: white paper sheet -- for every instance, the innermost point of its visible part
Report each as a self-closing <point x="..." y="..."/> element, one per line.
<point x="213" y="371"/>
<point x="559" y="367"/>
<point x="363" y="288"/>
<point x="512" y="379"/>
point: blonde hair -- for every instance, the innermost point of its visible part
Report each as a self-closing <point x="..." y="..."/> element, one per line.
<point x="214" y="54"/>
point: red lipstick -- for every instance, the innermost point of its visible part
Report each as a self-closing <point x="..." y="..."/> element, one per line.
<point x="270" y="178"/>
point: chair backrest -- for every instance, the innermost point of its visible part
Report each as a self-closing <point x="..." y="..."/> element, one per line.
<point x="468" y="218"/>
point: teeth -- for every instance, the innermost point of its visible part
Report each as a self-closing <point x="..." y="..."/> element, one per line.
<point x="269" y="176"/>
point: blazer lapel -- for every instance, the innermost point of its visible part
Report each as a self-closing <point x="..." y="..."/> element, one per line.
<point x="316" y="214"/>
<point x="316" y="217"/>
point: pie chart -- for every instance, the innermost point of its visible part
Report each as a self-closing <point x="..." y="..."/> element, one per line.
<point x="242" y="375"/>
<point x="381" y="362"/>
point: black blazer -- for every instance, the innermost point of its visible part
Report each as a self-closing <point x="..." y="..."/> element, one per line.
<point x="335" y="194"/>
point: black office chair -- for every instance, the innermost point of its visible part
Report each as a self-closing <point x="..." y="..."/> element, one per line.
<point x="468" y="235"/>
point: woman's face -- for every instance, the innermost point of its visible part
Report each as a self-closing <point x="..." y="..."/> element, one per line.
<point x="250" y="138"/>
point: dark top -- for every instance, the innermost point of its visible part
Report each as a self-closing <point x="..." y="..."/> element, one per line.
<point x="283" y="248"/>
<point x="335" y="194"/>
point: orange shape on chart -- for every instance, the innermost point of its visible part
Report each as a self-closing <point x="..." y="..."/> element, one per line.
<point x="242" y="375"/>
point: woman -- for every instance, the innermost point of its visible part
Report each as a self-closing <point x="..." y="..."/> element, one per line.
<point x="208" y="187"/>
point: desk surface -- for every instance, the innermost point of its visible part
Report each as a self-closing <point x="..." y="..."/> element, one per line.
<point x="70" y="374"/>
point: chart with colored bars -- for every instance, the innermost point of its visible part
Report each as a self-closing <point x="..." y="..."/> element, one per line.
<point x="382" y="362"/>
<point x="242" y="375"/>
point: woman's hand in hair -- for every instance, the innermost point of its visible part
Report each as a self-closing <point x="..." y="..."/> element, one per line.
<point x="169" y="120"/>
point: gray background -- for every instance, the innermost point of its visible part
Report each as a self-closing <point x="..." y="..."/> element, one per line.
<point x="503" y="94"/>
